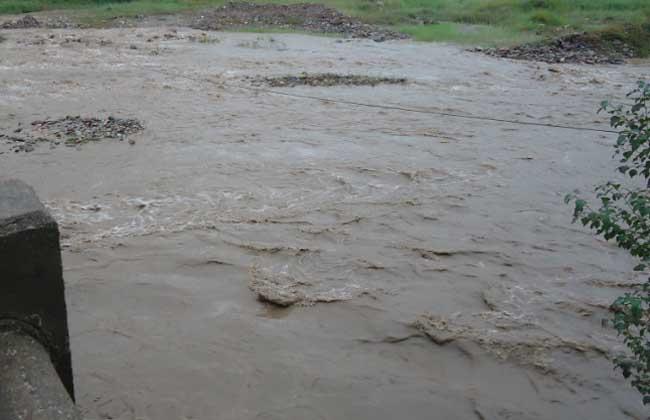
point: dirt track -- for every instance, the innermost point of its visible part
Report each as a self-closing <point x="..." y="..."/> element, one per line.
<point x="457" y="286"/>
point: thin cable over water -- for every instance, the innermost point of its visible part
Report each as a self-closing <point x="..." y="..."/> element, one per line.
<point x="422" y="111"/>
<point x="394" y="107"/>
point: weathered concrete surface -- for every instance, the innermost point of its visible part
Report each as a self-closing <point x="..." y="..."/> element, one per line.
<point x="31" y="283"/>
<point x="30" y="388"/>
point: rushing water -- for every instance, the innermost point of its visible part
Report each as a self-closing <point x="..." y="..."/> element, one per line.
<point x="434" y="266"/>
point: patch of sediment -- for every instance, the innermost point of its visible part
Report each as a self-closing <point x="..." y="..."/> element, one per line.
<point x="325" y="80"/>
<point x="71" y="131"/>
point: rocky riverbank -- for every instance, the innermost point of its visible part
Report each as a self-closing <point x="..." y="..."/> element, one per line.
<point x="580" y="48"/>
<point x="305" y="16"/>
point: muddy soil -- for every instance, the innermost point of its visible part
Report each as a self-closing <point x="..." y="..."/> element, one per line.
<point x="428" y="264"/>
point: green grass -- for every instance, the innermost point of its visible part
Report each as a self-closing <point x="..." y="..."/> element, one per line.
<point x="102" y="12"/>
<point x="108" y="7"/>
<point x="637" y="36"/>
<point x="468" y="21"/>
<point x="25" y="6"/>
<point x="460" y="33"/>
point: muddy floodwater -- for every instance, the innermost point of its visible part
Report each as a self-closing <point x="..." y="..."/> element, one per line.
<point x="427" y="263"/>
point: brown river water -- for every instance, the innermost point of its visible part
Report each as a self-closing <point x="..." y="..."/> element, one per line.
<point x="433" y="265"/>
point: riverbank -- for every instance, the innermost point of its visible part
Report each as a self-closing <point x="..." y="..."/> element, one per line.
<point x="476" y="22"/>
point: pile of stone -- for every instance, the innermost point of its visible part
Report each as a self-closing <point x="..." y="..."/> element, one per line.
<point x="81" y="129"/>
<point x="71" y="131"/>
<point x="576" y="48"/>
<point x="22" y="23"/>
<point x="324" y="80"/>
<point x="28" y="21"/>
<point x="305" y="16"/>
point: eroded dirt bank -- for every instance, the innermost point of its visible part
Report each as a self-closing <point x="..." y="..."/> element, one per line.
<point x="429" y="263"/>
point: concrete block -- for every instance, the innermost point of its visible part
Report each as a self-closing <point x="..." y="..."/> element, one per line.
<point x="32" y="298"/>
<point x="30" y="388"/>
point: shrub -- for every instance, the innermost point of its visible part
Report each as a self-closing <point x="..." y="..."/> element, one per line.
<point x="544" y="17"/>
<point x="636" y="36"/>
<point x="623" y="215"/>
<point x="541" y="4"/>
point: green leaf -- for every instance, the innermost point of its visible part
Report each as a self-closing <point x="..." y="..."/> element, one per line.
<point x="624" y="217"/>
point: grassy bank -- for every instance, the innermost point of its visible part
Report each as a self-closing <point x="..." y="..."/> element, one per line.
<point x="469" y="34"/>
<point x="117" y="7"/>
<point x="470" y="21"/>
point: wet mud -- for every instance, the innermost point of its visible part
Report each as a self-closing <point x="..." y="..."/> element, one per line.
<point x="257" y="255"/>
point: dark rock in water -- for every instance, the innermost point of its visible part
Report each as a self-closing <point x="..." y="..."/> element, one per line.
<point x="304" y="16"/>
<point x="22" y="23"/>
<point x="580" y="48"/>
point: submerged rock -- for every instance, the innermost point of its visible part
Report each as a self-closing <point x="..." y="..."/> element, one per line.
<point x="276" y="288"/>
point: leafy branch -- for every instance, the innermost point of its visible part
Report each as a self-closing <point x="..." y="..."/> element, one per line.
<point x="623" y="215"/>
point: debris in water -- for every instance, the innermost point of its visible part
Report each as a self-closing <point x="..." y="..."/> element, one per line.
<point x="281" y="288"/>
<point x="204" y="38"/>
<point x="504" y="336"/>
<point x="278" y="288"/>
<point x="72" y="131"/>
<point x="325" y="79"/>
